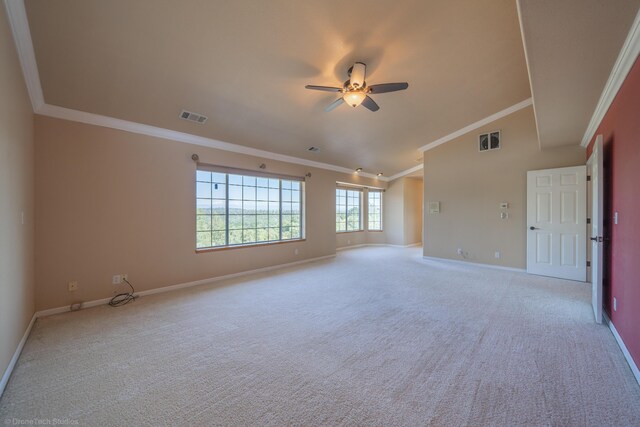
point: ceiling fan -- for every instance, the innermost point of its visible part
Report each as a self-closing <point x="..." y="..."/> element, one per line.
<point x="355" y="90"/>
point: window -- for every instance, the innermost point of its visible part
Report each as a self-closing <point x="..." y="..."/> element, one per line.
<point x="489" y="141"/>
<point x="348" y="210"/>
<point x="235" y="209"/>
<point x="375" y="210"/>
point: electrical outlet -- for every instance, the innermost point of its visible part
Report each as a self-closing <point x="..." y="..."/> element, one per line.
<point x="497" y="255"/>
<point x="615" y="304"/>
<point x="504" y="215"/>
<point x="295" y="252"/>
<point x="459" y="251"/>
<point x="116" y="280"/>
<point x="348" y="242"/>
<point x="73" y="286"/>
<point x="124" y="276"/>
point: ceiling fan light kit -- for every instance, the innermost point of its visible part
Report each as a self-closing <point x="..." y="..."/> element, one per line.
<point x="354" y="98"/>
<point x="355" y="90"/>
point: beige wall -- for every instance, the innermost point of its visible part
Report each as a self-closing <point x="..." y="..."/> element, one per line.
<point x="16" y="197"/>
<point x="113" y="202"/>
<point x="394" y="210"/>
<point x="413" y="194"/>
<point x="470" y="186"/>
<point x="403" y="204"/>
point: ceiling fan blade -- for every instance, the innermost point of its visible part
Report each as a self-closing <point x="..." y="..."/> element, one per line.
<point x="388" y="87"/>
<point x="370" y="104"/>
<point x="334" y="104"/>
<point x="324" y="88"/>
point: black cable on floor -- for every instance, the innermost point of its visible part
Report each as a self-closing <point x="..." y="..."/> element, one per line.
<point x="124" y="298"/>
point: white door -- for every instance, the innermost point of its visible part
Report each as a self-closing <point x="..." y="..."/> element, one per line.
<point x="597" y="197"/>
<point x="556" y="223"/>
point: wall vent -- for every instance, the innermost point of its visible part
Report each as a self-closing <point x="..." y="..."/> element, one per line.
<point x="489" y="141"/>
<point x="193" y="117"/>
<point x="314" y="149"/>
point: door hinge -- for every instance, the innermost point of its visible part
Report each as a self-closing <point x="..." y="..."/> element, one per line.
<point x="588" y="263"/>
<point x="588" y="220"/>
<point x="588" y="177"/>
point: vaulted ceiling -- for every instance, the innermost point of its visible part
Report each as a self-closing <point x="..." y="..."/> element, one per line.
<point x="244" y="64"/>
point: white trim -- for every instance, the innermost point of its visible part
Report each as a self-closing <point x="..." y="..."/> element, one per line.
<point x="406" y="172"/>
<point x="16" y="355"/>
<point x="526" y="59"/>
<point x="473" y="126"/>
<point x="626" y="58"/>
<point x="171" y="288"/>
<point x="412" y="245"/>
<point x="361" y="245"/>
<point x="17" y="15"/>
<point x="158" y="132"/>
<point x="623" y="347"/>
<point x="475" y="264"/>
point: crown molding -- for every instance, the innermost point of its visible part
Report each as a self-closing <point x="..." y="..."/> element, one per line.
<point x="526" y="60"/>
<point x="406" y="172"/>
<point x="172" y="135"/>
<point x="19" y="23"/>
<point x="17" y="15"/>
<point x="626" y="58"/>
<point x="473" y="126"/>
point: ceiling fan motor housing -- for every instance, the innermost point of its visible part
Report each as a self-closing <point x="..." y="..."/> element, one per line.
<point x="357" y="75"/>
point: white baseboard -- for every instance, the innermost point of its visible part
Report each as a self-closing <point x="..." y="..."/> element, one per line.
<point x="412" y="245"/>
<point x="623" y="347"/>
<point x="170" y="288"/>
<point x="477" y="264"/>
<point x="16" y="355"/>
<point x="361" y="245"/>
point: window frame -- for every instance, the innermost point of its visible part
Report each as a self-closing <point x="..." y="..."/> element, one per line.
<point x="360" y="192"/>
<point x="281" y="204"/>
<point x="380" y="205"/>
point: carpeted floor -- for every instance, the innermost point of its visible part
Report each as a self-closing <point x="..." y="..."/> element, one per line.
<point x="376" y="337"/>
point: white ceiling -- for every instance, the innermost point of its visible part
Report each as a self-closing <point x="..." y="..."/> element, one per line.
<point x="571" y="48"/>
<point x="244" y="64"/>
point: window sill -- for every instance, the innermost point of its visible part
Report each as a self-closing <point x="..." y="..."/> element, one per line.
<point x="375" y="231"/>
<point x="350" y="231"/>
<point x="249" y="245"/>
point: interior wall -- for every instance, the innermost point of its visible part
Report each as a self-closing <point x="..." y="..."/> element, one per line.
<point x="112" y="202"/>
<point x="413" y="195"/>
<point x="16" y="199"/>
<point x="470" y="185"/>
<point x="620" y="129"/>
<point x="394" y="210"/>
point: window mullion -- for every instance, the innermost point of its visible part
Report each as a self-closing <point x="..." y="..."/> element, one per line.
<point x="280" y="210"/>
<point x="226" y="209"/>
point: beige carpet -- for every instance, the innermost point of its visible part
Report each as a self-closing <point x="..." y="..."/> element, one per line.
<point x="376" y="337"/>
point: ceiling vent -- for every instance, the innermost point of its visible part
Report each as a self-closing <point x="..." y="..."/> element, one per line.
<point x="193" y="117"/>
<point x="314" y="149"/>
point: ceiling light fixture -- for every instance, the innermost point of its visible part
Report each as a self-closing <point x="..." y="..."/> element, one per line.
<point x="380" y="173"/>
<point x="358" y="170"/>
<point x="354" y="98"/>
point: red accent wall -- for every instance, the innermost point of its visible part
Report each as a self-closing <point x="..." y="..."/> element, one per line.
<point x="620" y="129"/>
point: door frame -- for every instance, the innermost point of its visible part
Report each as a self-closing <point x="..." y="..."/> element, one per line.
<point x="595" y="230"/>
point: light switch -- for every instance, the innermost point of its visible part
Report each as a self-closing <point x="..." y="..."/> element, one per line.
<point x="615" y="218"/>
<point x="504" y="205"/>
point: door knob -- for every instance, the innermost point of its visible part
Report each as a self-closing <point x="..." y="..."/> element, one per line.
<point x="533" y="228"/>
